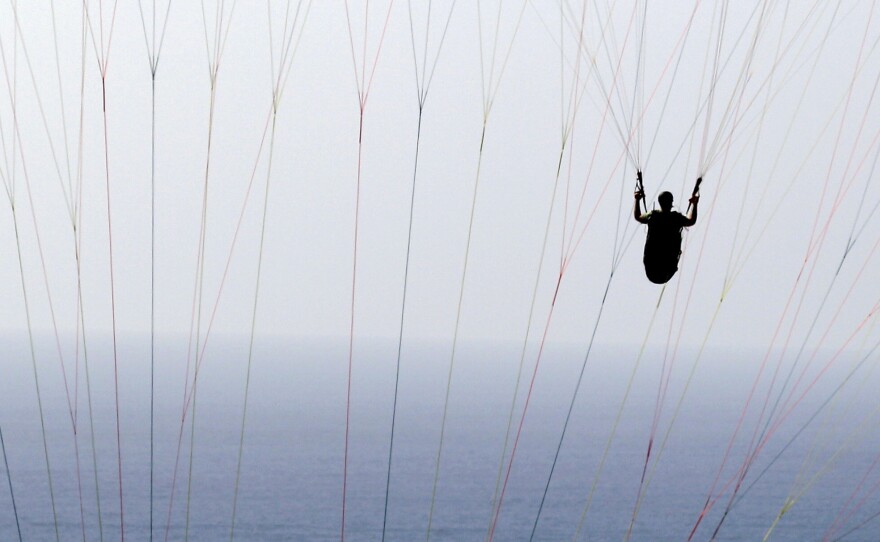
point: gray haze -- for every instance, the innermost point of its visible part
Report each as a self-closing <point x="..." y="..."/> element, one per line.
<point x="306" y="283"/>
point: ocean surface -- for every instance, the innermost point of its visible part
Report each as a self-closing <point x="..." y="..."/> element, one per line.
<point x="291" y="478"/>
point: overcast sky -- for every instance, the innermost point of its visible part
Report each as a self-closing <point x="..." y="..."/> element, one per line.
<point x="789" y="106"/>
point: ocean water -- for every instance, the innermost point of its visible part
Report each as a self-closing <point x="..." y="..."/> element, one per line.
<point x="291" y="478"/>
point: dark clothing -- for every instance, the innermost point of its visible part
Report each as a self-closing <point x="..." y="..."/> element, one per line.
<point x="663" y="245"/>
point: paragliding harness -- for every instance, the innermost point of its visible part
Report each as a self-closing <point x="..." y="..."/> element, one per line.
<point x="663" y="245"/>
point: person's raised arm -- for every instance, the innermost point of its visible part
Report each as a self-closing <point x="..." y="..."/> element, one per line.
<point x="694" y="201"/>
<point x="639" y="196"/>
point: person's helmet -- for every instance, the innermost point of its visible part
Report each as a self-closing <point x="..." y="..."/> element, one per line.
<point x="665" y="199"/>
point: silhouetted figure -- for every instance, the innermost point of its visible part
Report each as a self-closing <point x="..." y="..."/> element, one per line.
<point x="663" y="245"/>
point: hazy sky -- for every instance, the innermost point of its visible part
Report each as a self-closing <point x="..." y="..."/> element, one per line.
<point x="790" y="106"/>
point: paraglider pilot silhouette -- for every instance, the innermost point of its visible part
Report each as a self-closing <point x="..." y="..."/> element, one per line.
<point x="663" y="245"/>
